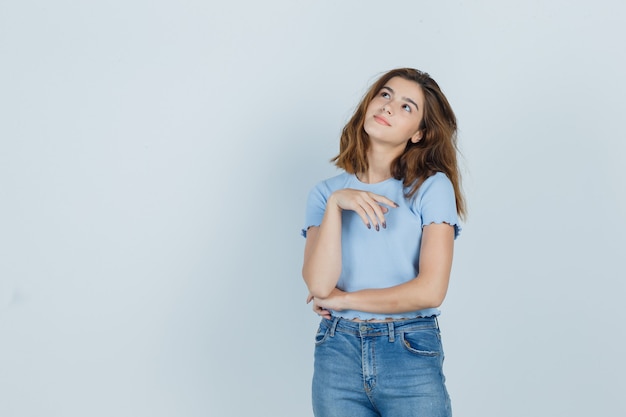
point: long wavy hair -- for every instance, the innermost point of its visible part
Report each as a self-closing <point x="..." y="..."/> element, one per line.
<point x="435" y="152"/>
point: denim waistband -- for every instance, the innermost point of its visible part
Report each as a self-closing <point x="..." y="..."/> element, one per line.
<point x="390" y="328"/>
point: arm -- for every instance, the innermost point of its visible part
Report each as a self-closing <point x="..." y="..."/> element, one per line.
<point x="427" y="290"/>
<point x="322" y="253"/>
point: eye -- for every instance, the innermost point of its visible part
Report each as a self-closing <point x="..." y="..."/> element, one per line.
<point x="385" y="94"/>
<point x="407" y="108"/>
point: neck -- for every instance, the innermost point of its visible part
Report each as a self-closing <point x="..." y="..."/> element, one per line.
<point x="379" y="162"/>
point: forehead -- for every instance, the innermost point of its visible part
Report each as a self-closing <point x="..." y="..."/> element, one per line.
<point x="406" y="89"/>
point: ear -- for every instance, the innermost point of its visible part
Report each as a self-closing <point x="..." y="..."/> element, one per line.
<point x="417" y="136"/>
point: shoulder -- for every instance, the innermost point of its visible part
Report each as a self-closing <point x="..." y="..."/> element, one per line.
<point x="436" y="202"/>
<point x="439" y="178"/>
<point x="437" y="183"/>
<point x="436" y="193"/>
<point x="318" y="197"/>
<point x="327" y="186"/>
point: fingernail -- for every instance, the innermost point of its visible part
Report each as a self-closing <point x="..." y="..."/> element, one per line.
<point x="396" y="204"/>
<point x="369" y="226"/>
<point x="377" y="228"/>
<point x="384" y="225"/>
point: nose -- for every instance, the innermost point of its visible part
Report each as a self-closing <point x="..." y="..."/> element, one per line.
<point x="386" y="108"/>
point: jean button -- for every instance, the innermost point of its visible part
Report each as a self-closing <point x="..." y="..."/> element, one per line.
<point x="363" y="328"/>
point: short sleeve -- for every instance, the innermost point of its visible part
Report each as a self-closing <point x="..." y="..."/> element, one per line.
<point x="437" y="203"/>
<point x="315" y="207"/>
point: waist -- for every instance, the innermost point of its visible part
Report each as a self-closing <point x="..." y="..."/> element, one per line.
<point x="387" y="320"/>
<point x="380" y="327"/>
<point x="365" y="317"/>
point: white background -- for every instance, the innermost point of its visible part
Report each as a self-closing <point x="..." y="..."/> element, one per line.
<point x="155" y="158"/>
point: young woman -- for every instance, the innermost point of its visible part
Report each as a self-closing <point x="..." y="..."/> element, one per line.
<point x="378" y="253"/>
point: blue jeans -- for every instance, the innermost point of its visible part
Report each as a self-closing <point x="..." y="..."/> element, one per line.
<point x="389" y="369"/>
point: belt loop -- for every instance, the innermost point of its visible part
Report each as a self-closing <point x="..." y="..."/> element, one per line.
<point x="391" y="332"/>
<point x="436" y="322"/>
<point x="334" y="326"/>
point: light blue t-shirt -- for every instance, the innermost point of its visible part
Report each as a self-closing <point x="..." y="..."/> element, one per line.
<point x="385" y="258"/>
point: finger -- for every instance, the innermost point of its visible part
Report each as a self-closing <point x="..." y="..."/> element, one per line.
<point x="365" y="208"/>
<point x="318" y="309"/>
<point x="365" y="218"/>
<point x="381" y="199"/>
<point x="379" y="206"/>
<point x="374" y="213"/>
<point x="360" y="206"/>
<point x="322" y="312"/>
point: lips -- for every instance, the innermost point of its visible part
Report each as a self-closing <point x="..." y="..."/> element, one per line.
<point x="381" y="120"/>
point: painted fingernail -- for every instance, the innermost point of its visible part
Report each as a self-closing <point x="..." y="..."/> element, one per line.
<point x="369" y="226"/>
<point x="384" y="225"/>
<point x="377" y="228"/>
<point x="396" y="204"/>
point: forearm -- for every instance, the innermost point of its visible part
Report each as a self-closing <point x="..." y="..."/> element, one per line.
<point x="417" y="294"/>
<point x="322" y="260"/>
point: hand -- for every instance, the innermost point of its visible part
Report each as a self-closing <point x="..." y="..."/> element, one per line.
<point x="322" y="306"/>
<point x="367" y="205"/>
<point x="317" y="309"/>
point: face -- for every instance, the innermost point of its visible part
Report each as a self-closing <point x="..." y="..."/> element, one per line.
<point x="395" y="114"/>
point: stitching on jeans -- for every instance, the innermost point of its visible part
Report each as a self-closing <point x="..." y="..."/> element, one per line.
<point x="334" y="326"/>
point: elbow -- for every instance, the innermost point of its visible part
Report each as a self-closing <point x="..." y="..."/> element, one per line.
<point x="435" y="300"/>
<point x="429" y="303"/>
<point x="432" y="299"/>
<point x="435" y="303"/>
<point x="430" y="290"/>
<point x="317" y="288"/>
<point x="320" y="291"/>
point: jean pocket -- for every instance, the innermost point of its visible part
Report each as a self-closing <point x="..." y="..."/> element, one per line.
<point x="422" y="342"/>
<point x="321" y="335"/>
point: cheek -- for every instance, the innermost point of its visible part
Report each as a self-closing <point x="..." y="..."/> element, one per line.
<point x="417" y="124"/>
<point x="367" y="126"/>
<point x="412" y="126"/>
<point x="373" y="106"/>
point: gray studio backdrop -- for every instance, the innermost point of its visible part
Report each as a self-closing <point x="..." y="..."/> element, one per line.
<point x="155" y="158"/>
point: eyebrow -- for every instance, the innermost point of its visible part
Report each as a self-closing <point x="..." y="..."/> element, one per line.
<point x="403" y="98"/>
